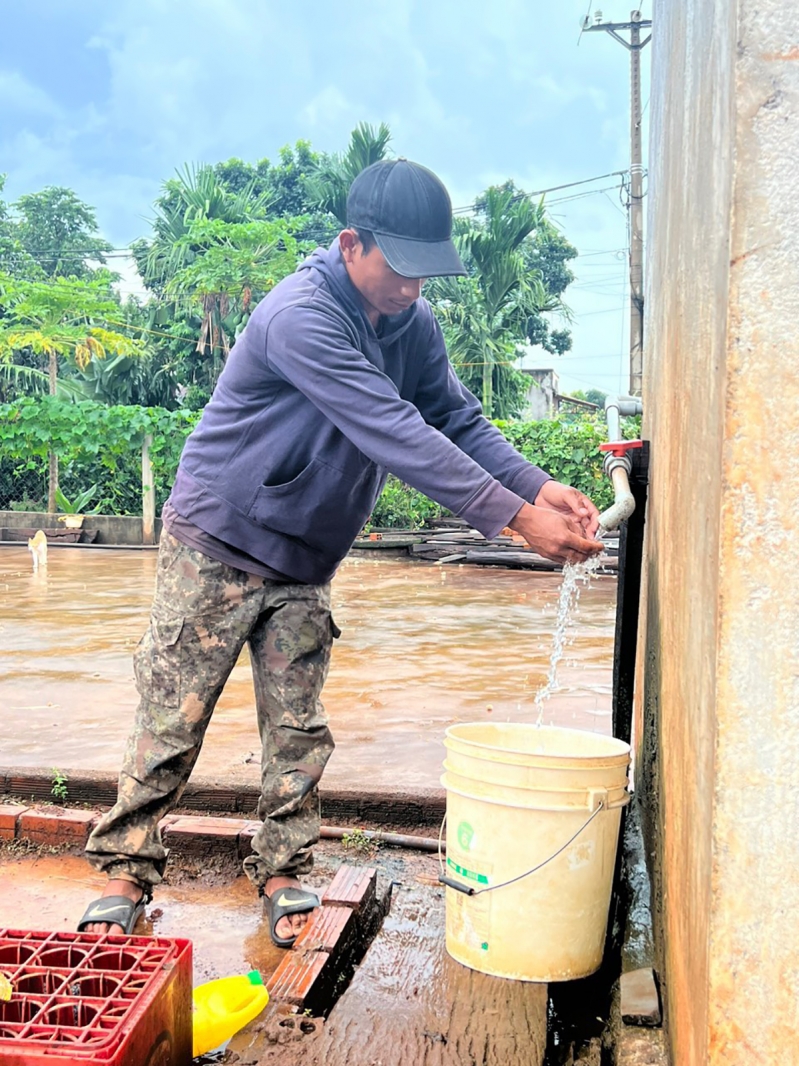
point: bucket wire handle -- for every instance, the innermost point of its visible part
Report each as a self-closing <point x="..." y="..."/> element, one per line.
<point x="441" y="875"/>
<point x="468" y="891"/>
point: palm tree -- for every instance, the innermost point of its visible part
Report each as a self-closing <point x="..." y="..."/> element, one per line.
<point x="330" y="183"/>
<point x="484" y="316"/>
<point x="196" y="194"/>
<point x="189" y="204"/>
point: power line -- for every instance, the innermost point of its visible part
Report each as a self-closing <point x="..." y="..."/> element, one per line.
<point x="553" y="188"/>
<point x="77" y="254"/>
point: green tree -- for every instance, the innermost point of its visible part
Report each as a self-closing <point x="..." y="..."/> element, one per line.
<point x="232" y="266"/>
<point x="546" y="252"/>
<point x="285" y="185"/>
<point x="59" y="320"/>
<point x="176" y="320"/>
<point x="147" y="380"/>
<point x="195" y="195"/>
<point x="330" y="183"/>
<point x="485" y="316"/>
<point x="59" y="231"/>
<point x="14" y="259"/>
<point x="596" y="396"/>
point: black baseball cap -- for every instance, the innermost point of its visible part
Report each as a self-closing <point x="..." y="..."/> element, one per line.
<point x="409" y="212"/>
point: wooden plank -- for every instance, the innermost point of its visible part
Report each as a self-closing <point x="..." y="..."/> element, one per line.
<point x="525" y="560"/>
<point x="409" y="1003"/>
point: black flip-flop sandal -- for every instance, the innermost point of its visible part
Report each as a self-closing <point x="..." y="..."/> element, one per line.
<point x="285" y="901"/>
<point x="115" y="910"/>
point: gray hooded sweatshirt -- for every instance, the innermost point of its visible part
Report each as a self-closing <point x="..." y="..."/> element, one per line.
<point x="314" y="409"/>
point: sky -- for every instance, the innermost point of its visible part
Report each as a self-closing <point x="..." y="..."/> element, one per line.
<point x="110" y="99"/>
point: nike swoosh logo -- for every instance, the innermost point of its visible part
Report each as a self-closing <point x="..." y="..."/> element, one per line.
<point x="284" y="901"/>
<point x="98" y="912"/>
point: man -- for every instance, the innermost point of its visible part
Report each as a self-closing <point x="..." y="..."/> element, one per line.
<point x="340" y="377"/>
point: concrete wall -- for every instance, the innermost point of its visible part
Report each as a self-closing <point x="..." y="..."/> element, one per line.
<point x="541" y="400"/>
<point x="111" y="529"/>
<point x="718" y="714"/>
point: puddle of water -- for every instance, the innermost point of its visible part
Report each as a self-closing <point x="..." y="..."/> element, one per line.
<point x="223" y="922"/>
<point x="422" y="647"/>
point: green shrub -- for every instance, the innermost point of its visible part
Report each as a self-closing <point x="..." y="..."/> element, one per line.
<point x="99" y="445"/>
<point x="568" y="450"/>
<point x="401" y="507"/>
<point x="95" y="445"/>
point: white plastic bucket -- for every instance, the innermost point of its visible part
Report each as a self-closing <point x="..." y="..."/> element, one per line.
<point x="520" y="797"/>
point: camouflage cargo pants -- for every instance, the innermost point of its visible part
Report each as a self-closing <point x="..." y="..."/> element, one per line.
<point x="203" y="613"/>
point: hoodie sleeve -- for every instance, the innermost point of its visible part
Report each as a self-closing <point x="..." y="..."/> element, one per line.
<point x="447" y="404"/>
<point x="311" y="347"/>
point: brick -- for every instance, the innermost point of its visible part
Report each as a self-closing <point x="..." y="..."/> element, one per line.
<point x="66" y="827"/>
<point x="9" y="814"/>
<point x="329" y="929"/>
<point x="299" y="979"/>
<point x="640" y="1002"/>
<point x="202" y="836"/>
<point x="354" y="887"/>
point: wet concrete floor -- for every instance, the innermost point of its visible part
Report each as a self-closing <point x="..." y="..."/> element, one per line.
<point x="423" y="646"/>
<point x="408" y="1001"/>
<point x="218" y="910"/>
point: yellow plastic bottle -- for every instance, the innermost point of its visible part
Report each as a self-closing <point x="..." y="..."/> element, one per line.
<point x="223" y="1007"/>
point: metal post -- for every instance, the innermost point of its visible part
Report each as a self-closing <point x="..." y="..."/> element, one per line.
<point x="635" y="206"/>
<point x="636" y="212"/>
<point x="631" y="554"/>
<point x="147" y="494"/>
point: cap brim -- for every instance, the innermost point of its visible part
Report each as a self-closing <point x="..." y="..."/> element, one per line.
<point x="420" y="259"/>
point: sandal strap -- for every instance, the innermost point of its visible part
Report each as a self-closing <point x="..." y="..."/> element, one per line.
<point x="286" y="901"/>
<point x="113" y="910"/>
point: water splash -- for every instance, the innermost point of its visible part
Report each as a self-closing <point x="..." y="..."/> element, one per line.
<point x="575" y="577"/>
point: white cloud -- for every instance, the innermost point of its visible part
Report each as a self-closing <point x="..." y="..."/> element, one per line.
<point x="19" y="95"/>
<point x="328" y="106"/>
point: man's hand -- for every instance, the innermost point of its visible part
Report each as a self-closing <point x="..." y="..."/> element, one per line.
<point x="570" y="503"/>
<point x="558" y="537"/>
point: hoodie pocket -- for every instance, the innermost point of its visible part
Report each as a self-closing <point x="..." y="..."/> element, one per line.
<point x="321" y="506"/>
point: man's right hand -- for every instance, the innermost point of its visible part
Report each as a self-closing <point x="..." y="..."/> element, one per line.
<point x="553" y="535"/>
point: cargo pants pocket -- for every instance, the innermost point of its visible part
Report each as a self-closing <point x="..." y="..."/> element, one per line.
<point x="157" y="662"/>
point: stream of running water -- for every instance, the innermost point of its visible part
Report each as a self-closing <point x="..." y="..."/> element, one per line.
<point x="576" y="576"/>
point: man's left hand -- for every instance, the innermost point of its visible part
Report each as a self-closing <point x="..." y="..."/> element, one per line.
<point x="571" y="503"/>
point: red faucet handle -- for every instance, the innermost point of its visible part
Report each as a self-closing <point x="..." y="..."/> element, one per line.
<point x="620" y="448"/>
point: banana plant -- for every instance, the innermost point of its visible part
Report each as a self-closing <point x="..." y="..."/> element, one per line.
<point x="77" y="505"/>
<point x="60" y="319"/>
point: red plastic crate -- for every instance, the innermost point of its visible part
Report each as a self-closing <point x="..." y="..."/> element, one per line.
<point x="82" y="998"/>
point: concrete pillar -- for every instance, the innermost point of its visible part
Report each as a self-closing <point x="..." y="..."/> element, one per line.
<point x="718" y="712"/>
<point x="147" y="493"/>
<point x="542" y="395"/>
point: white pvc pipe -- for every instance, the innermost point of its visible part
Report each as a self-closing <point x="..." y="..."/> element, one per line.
<point x="618" y="467"/>
<point x="624" y="503"/>
<point x="612" y="415"/>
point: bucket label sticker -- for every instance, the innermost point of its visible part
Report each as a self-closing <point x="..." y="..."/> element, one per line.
<point x="470" y="875"/>
<point x="465" y="835"/>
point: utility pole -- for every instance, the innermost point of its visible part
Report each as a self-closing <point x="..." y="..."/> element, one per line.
<point x="636" y="205"/>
